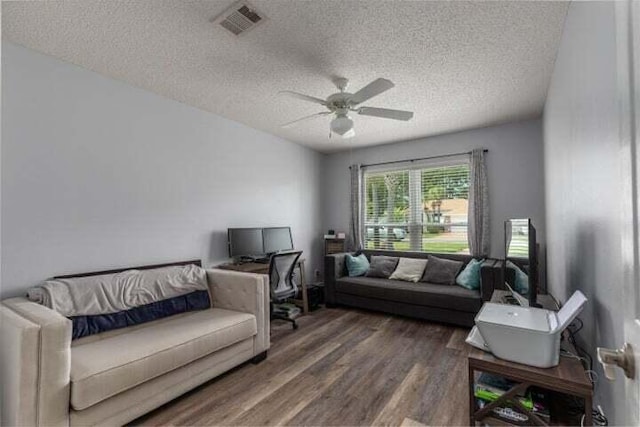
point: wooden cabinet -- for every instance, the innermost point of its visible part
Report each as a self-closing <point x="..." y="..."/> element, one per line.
<point x="334" y="246"/>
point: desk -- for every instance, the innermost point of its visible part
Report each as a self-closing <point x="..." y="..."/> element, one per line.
<point x="568" y="377"/>
<point x="259" y="268"/>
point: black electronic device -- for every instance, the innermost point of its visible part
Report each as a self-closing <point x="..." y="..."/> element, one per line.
<point x="256" y="244"/>
<point x="520" y="269"/>
<point x="245" y="243"/>
<point x="315" y="295"/>
<point x="277" y="239"/>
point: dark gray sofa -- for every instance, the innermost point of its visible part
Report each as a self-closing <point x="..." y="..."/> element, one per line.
<point x="443" y="303"/>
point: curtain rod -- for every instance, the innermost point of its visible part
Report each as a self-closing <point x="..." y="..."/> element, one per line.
<point x="416" y="160"/>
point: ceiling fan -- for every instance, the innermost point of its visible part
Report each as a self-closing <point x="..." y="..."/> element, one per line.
<point x="342" y="103"/>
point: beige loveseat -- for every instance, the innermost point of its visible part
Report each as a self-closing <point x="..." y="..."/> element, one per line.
<point x="114" y="377"/>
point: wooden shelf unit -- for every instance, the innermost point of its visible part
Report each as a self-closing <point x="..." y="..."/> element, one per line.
<point x="334" y="246"/>
<point x="569" y="377"/>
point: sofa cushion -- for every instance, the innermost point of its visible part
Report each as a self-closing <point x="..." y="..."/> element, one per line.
<point x="382" y="266"/>
<point x="470" y="277"/>
<point x="426" y="294"/>
<point x="357" y="265"/>
<point x="409" y="269"/>
<point x="441" y="271"/>
<point x="84" y="326"/>
<point x="103" y="368"/>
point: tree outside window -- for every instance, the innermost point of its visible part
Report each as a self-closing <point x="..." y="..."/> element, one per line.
<point x="418" y="209"/>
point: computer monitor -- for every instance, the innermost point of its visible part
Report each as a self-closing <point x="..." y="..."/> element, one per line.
<point x="245" y="242"/>
<point x="277" y="239"/>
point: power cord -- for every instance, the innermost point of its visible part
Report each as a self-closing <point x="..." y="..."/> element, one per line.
<point x="598" y="416"/>
<point x="591" y="374"/>
<point x="573" y="329"/>
<point x="599" y="419"/>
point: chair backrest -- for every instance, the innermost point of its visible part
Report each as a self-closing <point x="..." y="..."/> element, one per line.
<point x="281" y="268"/>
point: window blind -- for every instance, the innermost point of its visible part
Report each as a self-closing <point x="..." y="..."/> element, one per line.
<point x="417" y="208"/>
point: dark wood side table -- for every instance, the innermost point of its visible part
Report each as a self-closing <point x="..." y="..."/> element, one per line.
<point x="568" y="377"/>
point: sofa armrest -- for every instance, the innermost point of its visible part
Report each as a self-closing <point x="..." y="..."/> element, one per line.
<point x="488" y="278"/>
<point x="245" y="292"/>
<point x="334" y="268"/>
<point x="36" y="364"/>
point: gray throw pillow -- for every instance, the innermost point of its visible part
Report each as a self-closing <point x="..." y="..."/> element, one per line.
<point x="382" y="266"/>
<point x="441" y="271"/>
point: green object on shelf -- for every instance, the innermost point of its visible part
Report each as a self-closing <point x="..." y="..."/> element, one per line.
<point x="490" y="396"/>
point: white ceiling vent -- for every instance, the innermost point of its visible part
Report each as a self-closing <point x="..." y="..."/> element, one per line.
<point x="240" y="18"/>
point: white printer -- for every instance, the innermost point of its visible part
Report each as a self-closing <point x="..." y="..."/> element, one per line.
<point x="525" y="335"/>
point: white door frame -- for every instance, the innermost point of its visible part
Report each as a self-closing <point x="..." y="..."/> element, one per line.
<point x="628" y="70"/>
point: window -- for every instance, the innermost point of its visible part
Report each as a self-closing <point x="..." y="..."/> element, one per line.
<point x="422" y="209"/>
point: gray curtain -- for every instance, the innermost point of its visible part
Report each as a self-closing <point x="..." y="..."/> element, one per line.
<point x="478" y="206"/>
<point x="354" y="239"/>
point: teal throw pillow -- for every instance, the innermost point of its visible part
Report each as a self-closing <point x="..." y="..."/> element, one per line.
<point x="521" y="284"/>
<point x="357" y="265"/>
<point x="469" y="277"/>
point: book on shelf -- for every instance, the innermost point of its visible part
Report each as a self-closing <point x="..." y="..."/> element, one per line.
<point x="540" y="403"/>
<point x="514" y="414"/>
<point x="496" y="382"/>
<point x="490" y="396"/>
<point x="505" y="412"/>
<point x="489" y="388"/>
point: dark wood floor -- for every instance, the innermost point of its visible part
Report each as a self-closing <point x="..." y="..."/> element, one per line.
<point x="341" y="367"/>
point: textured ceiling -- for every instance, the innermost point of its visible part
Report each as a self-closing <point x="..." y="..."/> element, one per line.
<point x="457" y="65"/>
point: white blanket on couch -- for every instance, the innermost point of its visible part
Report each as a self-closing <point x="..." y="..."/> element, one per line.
<point x="112" y="293"/>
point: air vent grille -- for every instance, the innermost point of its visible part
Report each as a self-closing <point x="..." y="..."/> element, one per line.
<point x="240" y="18"/>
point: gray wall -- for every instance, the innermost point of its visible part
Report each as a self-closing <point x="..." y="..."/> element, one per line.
<point x="514" y="164"/>
<point x="99" y="174"/>
<point x="583" y="180"/>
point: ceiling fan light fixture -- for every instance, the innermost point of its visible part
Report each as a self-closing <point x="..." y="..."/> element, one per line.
<point x="342" y="125"/>
<point x="349" y="134"/>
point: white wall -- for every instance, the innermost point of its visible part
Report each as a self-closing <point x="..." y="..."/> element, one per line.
<point x="514" y="164"/>
<point x="99" y="174"/>
<point x="583" y="181"/>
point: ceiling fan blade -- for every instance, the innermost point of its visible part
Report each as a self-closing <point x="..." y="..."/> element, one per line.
<point x="374" y="88"/>
<point x="312" y="116"/>
<point x="385" y="113"/>
<point x="303" y="97"/>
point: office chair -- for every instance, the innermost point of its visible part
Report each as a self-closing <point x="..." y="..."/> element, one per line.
<point x="281" y="282"/>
